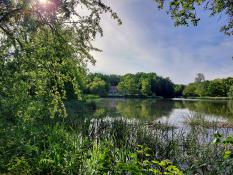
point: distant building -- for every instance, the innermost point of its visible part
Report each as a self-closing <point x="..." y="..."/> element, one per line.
<point x="113" y="90"/>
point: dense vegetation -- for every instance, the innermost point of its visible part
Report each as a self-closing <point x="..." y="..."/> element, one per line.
<point x="52" y="146"/>
<point x="150" y="84"/>
<point x="139" y="84"/>
<point x="45" y="47"/>
<point x="213" y="88"/>
<point x="100" y="84"/>
<point x="146" y="84"/>
<point x="44" y="51"/>
<point x="103" y="145"/>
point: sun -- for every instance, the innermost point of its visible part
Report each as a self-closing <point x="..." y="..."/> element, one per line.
<point x="43" y="1"/>
<point x="47" y="6"/>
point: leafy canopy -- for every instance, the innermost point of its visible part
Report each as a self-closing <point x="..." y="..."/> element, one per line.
<point x="184" y="12"/>
<point x="45" y="47"/>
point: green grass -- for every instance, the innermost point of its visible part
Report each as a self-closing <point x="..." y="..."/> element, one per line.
<point x="28" y="148"/>
<point x="78" y="145"/>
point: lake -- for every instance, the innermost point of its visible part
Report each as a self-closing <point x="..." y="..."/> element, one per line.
<point x="113" y="130"/>
<point x="172" y="111"/>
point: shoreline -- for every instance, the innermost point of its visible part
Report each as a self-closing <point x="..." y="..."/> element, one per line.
<point x="133" y="96"/>
<point x="207" y="98"/>
<point x="159" y="97"/>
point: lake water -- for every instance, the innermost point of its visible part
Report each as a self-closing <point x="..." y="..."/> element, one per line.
<point x="174" y="112"/>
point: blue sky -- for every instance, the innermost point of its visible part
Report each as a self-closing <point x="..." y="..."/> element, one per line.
<point x="148" y="42"/>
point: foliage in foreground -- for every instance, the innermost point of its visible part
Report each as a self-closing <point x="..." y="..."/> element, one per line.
<point x="105" y="146"/>
<point x="227" y="141"/>
<point x="42" y="149"/>
<point x="45" y="48"/>
<point x="184" y="12"/>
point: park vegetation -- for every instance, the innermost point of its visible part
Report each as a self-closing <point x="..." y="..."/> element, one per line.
<point x="139" y="84"/>
<point x="150" y="84"/>
<point x="45" y="47"/>
<point x="213" y="88"/>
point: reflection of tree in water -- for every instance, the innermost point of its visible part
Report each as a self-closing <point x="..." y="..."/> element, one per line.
<point x="219" y="108"/>
<point x="179" y="104"/>
<point x="230" y="106"/>
<point x="138" y="108"/>
<point x="151" y="109"/>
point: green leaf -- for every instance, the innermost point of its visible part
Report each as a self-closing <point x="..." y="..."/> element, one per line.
<point x="228" y="154"/>
<point x="229" y="139"/>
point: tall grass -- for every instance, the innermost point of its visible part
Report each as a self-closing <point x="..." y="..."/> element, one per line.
<point x="199" y="120"/>
<point x="106" y="146"/>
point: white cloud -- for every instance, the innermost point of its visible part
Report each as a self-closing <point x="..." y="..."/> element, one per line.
<point x="148" y="42"/>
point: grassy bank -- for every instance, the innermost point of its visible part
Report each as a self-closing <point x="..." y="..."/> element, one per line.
<point x="88" y="143"/>
<point x="106" y="146"/>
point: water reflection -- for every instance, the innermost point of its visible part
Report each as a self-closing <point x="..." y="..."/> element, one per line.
<point x="214" y="108"/>
<point x="151" y="109"/>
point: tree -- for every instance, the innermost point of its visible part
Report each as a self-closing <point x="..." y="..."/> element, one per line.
<point x="111" y="80"/>
<point x="199" y="78"/>
<point x="128" y="85"/>
<point x="168" y="87"/>
<point x="146" y="87"/>
<point x="213" y="88"/>
<point x="183" y="12"/>
<point x="216" y="88"/>
<point x="202" y="89"/>
<point x="146" y="84"/>
<point x="228" y="82"/>
<point x="178" y="90"/>
<point x="61" y="25"/>
<point x="190" y="90"/>
<point x="45" y="48"/>
<point x="35" y="83"/>
<point x="230" y="93"/>
<point x="98" y="87"/>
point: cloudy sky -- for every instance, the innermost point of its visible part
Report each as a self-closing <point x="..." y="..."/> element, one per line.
<point x="148" y="42"/>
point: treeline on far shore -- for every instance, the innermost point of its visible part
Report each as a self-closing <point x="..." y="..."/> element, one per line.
<point x="151" y="85"/>
<point x="213" y="88"/>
